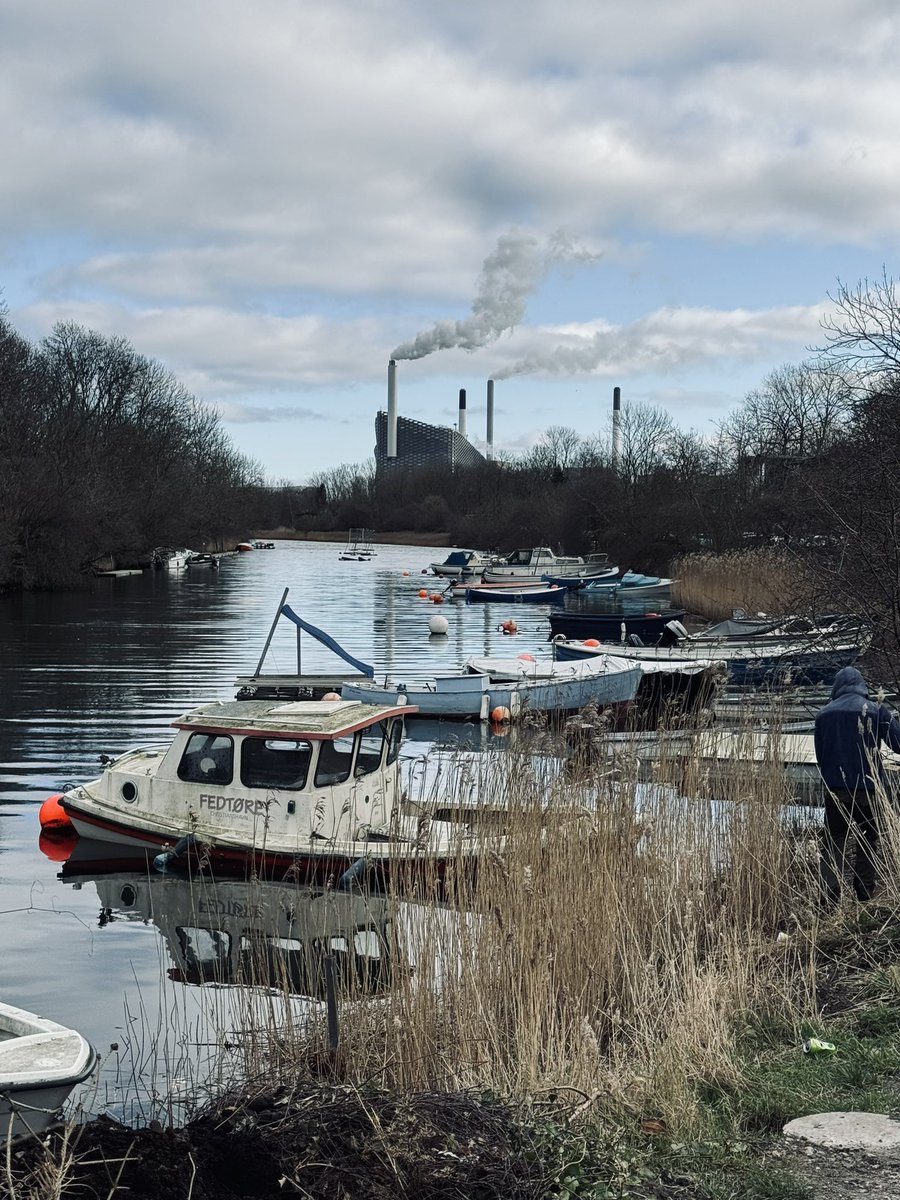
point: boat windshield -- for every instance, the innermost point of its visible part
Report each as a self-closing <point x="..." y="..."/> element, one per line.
<point x="275" y="763"/>
<point x="207" y="758"/>
<point x="371" y="747"/>
<point x="334" y="761"/>
<point x="396" y="737"/>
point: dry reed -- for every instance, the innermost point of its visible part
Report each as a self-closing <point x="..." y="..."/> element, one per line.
<point x="610" y="948"/>
<point x="768" y="580"/>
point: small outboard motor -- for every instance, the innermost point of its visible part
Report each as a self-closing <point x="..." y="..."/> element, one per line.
<point x="634" y="639"/>
<point x="672" y="634"/>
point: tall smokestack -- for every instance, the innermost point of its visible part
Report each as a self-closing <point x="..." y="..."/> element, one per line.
<point x="616" y="427"/>
<point x="392" y="410"/>
<point x="462" y="411"/>
<point x="490" y="419"/>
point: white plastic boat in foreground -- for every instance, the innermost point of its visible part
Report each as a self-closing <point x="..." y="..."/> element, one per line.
<point x="40" y="1063"/>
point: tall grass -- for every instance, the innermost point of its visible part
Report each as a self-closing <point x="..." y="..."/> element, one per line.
<point x="768" y="580"/>
<point x="612" y="946"/>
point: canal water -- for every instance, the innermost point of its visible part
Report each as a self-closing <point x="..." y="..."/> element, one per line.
<point x="105" y="670"/>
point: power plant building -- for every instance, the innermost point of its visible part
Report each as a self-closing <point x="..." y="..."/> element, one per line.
<point x="419" y="445"/>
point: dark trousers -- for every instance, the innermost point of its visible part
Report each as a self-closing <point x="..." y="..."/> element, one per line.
<point x="849" y="816"/>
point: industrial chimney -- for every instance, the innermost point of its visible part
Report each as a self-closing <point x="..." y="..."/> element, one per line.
<point x="462" y="412"/>
<point x="392" y="411"/>
<point x="489" y="432"/>
<point x="616" y="427"/>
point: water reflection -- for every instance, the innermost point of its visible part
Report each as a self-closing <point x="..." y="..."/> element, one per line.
<point x="250" y="933"/>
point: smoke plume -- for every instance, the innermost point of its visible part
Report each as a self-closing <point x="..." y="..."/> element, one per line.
<point x="508" y="277"/>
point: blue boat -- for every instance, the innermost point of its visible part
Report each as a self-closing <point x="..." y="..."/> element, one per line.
<point x="751" y="663"/>
<point x="609" y="626"/>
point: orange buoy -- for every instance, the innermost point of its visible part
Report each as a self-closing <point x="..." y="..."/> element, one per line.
<point x="590" y="642"/>
<point x="406" y="572"/>
<point x="509" y="627"/>
<point x="437" y="598"/>
<point x="423" y="593"/>
<point x="526" y="657"/>
<point x="500" y="715"/>
<point x="53" y="816"/>
<point x="331" y="696"/>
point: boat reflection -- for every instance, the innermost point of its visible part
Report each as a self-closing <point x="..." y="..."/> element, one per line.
<point x="249" y="932"/>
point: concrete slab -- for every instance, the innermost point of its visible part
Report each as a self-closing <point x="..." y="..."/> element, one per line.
<point x="873" y="1132"/>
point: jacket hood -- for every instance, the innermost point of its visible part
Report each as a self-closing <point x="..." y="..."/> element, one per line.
<point x="848" y="682"/>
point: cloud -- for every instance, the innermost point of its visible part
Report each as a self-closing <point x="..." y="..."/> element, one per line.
<point x="668" y="339"/>
<point x="248" y="414"/>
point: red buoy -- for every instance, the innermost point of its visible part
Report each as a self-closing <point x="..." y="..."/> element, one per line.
<point x="53" y="816"/>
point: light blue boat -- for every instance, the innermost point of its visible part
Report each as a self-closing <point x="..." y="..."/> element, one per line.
<point x="484" y="684"/>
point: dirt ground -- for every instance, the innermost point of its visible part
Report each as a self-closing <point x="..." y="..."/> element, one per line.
<point x="324" y="1144"/>
<point x="841" y="1174"/>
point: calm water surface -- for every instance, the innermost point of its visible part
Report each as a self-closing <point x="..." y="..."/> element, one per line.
<point x="108" y="670"/>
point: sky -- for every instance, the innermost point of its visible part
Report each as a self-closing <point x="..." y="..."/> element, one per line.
<point x="273" y="198"/>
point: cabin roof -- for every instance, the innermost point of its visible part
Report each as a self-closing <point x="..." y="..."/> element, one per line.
<point x="310" y="718"/>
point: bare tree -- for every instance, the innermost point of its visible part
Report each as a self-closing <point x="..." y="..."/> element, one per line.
<point x="799" y="410"/>
<point x="863" y="333"/>
<point x="646" y="433"/>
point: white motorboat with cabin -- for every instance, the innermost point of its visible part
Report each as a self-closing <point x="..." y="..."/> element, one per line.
<point x="463" y="564"/>
<point x="171" y="558"/>
<point x="311" y="785"/>
<point x="540" y="563"/>
<point x="40" y="1064"/>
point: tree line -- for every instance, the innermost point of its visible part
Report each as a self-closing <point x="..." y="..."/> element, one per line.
<point x="104" y="454"/>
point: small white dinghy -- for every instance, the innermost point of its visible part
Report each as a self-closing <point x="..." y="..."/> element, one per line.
<point x="40" y="1063"/>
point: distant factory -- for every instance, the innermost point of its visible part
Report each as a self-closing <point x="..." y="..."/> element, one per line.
<point x="403" y="444"/>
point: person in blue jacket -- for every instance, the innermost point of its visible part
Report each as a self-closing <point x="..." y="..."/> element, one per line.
<point x="849" y="733"/>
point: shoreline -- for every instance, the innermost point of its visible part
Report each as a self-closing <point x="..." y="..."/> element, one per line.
<point x="403" y="537"/>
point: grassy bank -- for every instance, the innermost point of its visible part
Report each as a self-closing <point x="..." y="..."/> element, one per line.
<point x="615" y="1007"/>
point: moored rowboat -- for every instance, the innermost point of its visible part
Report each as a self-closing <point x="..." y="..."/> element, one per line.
<point x="40" y="1063"/>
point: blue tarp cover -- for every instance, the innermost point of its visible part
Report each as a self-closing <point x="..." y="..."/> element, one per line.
<point x="328" y="641"/>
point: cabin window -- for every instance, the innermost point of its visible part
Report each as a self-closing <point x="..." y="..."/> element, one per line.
<point x="334" y="761"/>
<point x="371" y="744"/>
<point x="208" y="758"/>
<point x="396" y="739"/>
<point x="275" y="763"/>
